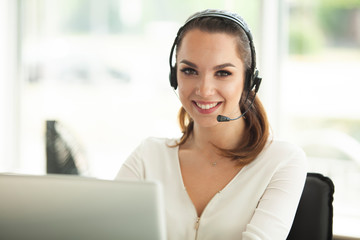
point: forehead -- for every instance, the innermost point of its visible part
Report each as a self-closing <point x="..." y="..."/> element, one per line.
<point x="201" y="43"/>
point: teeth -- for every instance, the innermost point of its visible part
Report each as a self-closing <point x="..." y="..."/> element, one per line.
<point x="206" y="106"/>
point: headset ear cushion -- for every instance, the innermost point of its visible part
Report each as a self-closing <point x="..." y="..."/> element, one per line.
<point x="256" y="80"/>
<point x="257" y="83"/>
<point x="252" y="80"/>
<point x="173" y="79"/>
<point x="249" y="80"/>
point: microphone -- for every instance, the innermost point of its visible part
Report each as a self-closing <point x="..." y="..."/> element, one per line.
<point x="221" y="118"/>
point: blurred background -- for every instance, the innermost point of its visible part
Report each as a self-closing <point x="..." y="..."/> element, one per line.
<point x="90" y="77"/>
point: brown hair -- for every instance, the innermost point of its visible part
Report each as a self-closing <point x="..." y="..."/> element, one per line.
<point x="256" y="131"/>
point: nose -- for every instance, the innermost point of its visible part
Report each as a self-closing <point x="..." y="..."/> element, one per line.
<point x="205" y="86"/>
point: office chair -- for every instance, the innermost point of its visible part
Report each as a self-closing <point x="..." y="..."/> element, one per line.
<point x="63" y="155"/>
<point x="314" y="216"/>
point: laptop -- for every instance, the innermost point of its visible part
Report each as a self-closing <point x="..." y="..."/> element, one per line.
<point x="61" y="207"/>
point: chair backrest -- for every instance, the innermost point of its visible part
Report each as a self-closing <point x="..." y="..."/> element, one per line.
<point x="64" y="153"/>
<point x="59" y="154"/>
<point x="314" y="216"/>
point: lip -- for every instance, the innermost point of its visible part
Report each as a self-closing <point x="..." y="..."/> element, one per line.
<point x="206" y="111"/>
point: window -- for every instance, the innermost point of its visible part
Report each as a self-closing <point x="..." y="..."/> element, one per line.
<point x="320" y="95"/>
<point x="100" y="68"/>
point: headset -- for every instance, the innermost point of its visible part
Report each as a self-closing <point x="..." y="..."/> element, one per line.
<point x="252" y="79"/>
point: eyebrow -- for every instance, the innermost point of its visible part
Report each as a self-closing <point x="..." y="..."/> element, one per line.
<point x="218" y="67"/>
<point x="221" y="66"/>
<point x="189" y="63"/>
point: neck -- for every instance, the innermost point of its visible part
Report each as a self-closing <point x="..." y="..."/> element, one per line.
<point x="224" y="135"/>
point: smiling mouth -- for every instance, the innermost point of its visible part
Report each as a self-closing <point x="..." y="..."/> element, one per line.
<point x="206" y="106"/>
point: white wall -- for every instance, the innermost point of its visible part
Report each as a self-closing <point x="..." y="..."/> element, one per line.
<point x="8" y="86"/>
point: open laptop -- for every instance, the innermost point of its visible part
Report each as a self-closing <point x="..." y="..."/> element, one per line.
<point x="61" y="207"/>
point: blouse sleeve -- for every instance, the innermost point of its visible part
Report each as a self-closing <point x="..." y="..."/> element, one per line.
<point x="133" y="167"/>
<point x="276" y="209"/>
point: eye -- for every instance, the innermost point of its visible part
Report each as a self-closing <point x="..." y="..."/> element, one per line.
<point x="223" y="73"/>
<point x="189" y="71"/>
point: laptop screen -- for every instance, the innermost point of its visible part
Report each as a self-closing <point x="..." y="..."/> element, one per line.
<point x="71" y="207"/>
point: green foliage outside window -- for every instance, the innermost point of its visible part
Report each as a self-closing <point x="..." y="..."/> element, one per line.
<point x="315" y="25"/>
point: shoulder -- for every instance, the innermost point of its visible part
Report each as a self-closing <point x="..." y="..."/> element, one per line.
<point x="155" y="143"/>
<point x="279" y="153"/>
<point x="149" y="158"/>
<point x="153" y="149"/>
<point x="159" y="141"/>
<point x="280" y="148"/>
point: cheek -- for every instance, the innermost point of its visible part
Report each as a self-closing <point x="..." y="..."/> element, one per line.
<point x="233" y="91"/>
<point x="183" y="91"/>
<point x="185" y="87"/>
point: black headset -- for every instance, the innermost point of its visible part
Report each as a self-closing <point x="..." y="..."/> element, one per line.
<point x="252" y="78"/>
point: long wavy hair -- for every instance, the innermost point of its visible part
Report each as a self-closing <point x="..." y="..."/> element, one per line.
<point x="256" y="131"/>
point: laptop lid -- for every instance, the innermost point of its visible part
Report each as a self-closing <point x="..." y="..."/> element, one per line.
<point x="71" y="207"/>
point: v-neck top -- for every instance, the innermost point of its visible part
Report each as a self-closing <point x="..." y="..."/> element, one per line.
<point x="258" y="203"/>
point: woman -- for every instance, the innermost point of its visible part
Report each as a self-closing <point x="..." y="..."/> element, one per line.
<point x="222" y="180"/>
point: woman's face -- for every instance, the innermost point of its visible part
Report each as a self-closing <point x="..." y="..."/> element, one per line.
<point x="210" y="76"/>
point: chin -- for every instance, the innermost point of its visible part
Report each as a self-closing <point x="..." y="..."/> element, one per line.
<point x="206" y="123"/>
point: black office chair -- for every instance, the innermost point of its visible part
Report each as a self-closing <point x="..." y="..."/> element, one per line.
<point x="314" y="216"/>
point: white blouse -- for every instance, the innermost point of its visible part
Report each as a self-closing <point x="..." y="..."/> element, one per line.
<point x="259" y="202"/>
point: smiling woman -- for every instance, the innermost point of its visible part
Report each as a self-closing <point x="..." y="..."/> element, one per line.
<point x="220" y="180"/>
<point x="222" y="67"/>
